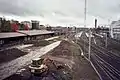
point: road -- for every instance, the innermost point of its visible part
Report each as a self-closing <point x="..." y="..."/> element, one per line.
<point x="106" y="62"/>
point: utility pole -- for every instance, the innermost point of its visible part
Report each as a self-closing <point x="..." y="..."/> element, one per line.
<point x="76" y="33"/>
<point x="85" y="13"/>
<point x="84" y="21"/>
<point x="106" y="40"/>
<point x="109" y="24"/>
<point x="89" y="44"/>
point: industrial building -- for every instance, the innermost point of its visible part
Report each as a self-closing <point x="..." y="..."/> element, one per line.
<point x="115" y="30"/>
<point x="35" y="24"/>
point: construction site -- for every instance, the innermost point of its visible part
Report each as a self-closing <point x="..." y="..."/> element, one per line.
<point x="76" y="41"/>
<point x="58" y="53"/>
<point x="42" y="54"/>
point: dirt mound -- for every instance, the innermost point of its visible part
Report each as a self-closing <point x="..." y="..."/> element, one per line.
<point x="69" y="54"/>
<point x="10" y="54"/>
<point x="70" y="67"/>
<point x="62" y="49"/>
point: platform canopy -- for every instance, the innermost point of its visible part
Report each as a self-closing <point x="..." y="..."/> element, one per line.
<point x="10" y="35"/>
<point x="35" y="32"/>
<point x="24" y="33"/>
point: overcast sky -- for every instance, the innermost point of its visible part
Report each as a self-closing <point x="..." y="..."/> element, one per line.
<point x="61" y="12"/>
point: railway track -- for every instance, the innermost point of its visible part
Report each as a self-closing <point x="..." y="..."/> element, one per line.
<point x="112" y="42"/>
<point x="111" y="72"/>
<point x="106" y="62"/>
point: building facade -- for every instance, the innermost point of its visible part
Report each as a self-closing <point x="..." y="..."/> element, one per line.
<point x="27" y="23"/>
<point x="35" y="24"/>
<point x="115" y="30"/>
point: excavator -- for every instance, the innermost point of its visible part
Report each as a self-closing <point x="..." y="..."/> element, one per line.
<point x="37" y="66"/>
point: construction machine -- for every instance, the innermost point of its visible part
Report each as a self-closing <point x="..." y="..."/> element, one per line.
<point x="37" y="67"/>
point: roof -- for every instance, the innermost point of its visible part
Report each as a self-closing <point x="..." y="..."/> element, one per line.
<point x="24" y="33"/>
<point x="10" y="34"/>
<point x="36" y="32"/>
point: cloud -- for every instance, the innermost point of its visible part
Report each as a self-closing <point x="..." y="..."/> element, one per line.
<point x="9" y="8"/>
<point x="62" y="11"/>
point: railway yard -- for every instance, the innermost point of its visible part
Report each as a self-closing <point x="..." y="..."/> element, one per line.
<point x="105" y="59"/>
<point x="59" y="40"/>
<point x="64" y="57"/>
<point x="64" y="60"/>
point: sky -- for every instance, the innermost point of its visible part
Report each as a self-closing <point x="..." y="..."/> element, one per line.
<point x="61" y="12"/>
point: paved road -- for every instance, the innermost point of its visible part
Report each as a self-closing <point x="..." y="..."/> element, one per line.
<point x="106" y="62"/>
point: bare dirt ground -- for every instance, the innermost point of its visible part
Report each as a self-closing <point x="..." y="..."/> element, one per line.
<point x="69" y="54"/>
<point x="6" y="69"/>
<point x="16" y="51"/>
<point x="10" y="54"/>
<point x="74" y="66"/>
